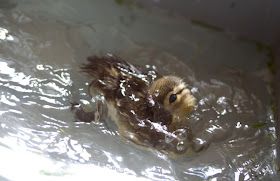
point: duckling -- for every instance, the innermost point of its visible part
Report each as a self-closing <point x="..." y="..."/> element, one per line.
<point x="150" y="113"/>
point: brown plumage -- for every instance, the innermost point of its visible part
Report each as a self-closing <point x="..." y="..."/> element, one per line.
<point x="151" y="114"/>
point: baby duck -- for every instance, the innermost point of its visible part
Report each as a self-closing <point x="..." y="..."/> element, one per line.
<point x="151" y="114"/>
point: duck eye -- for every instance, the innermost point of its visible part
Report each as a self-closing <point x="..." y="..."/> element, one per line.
<point x="172" y="98"/>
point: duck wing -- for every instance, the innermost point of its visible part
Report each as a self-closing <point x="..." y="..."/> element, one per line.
<point x="122" y="84"/>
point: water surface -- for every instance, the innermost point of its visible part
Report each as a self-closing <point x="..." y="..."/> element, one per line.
<point x="41" y="47"/>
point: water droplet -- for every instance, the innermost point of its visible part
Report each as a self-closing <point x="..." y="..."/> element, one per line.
<point x="156" y="93"/>
<point x="3" y="33"/>
<point x="181" y="134"/>
<point x="181" y="146"/>
<point x="40" y="67"/>
<point x="169" y="137"/>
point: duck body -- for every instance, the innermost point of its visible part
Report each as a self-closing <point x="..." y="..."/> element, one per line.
<point x="149" y="112"/>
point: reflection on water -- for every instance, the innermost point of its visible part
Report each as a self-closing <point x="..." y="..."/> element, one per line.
<point x="39" y="78"/>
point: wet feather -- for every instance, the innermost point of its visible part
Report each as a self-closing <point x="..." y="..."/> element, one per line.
<point x="141" y="107"/>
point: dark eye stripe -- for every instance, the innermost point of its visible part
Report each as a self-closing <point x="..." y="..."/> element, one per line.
<point x="173" y="97"/>
<point x="180" y="91"/>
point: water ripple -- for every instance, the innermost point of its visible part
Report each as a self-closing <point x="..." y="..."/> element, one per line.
<point x="37" y="84"/>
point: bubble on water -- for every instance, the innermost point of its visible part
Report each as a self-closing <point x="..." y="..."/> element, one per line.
<point x="40" y="67"/>
<point x="169" y="137"/>
<point x="181" y="146"/>
<point x="3" y="33"/>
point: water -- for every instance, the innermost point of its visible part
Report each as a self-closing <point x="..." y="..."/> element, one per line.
<point x="41" y="47"/>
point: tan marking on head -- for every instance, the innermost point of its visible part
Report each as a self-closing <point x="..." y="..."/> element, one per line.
<point x="187" y="105"/>
<point x="161" y="87"/>
<point x="164" y="87"/>
<point x="179" y="87"/>
<point x="184" y="102"/>
<point x="114" y="72"/>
